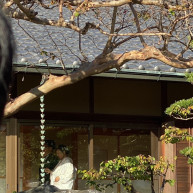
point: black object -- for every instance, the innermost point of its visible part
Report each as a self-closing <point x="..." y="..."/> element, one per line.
<point x="6" y="55"/>
<point x="50" y="143"/>
<point x="43" y="189"/>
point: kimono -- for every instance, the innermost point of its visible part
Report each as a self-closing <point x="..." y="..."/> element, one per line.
<point x="66" y="172"/>
<point x="50" y="162"/>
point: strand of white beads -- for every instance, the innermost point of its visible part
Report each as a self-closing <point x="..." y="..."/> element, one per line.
<point x="42" y="137"/>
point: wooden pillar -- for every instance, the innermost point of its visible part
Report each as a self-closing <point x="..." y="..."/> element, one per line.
<point x="90" y="129"/>
<point x="191" y="181"/>
<point x="154" y="144"/>
<point x="12" y="156"/>
<point x="91" y="147"/>
<point x="169" y="152"/>
<point x="155" y="153"/>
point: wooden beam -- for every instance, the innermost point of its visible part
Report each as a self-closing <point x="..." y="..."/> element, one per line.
<point x="91" y="147"/>
<point x="12" y="156"/>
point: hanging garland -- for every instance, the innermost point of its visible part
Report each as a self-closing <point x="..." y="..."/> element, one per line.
<point x="42" y="136"/>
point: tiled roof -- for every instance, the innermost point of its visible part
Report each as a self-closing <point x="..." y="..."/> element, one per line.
<point x="34" y="48"/>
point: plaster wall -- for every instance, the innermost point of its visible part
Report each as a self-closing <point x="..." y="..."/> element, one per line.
<point x="177" y="91"/>
<point x="129" y="97"/>
<point x="72" y="98"/>
<point x="110" y="96"/>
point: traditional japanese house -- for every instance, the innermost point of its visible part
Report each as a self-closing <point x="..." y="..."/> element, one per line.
<point x="103" y="116"/>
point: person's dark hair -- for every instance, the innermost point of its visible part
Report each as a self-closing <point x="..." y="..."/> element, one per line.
<point x="50" y="143"/>
<point x="63" y="148"/>
<point x="6" y="56"/>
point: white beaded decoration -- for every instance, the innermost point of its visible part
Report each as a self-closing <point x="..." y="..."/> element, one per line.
<point x="42" y="136"/>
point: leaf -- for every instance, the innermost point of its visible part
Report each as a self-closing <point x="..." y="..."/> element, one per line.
<point x="44" y="53"/>
<point x="172" y="12"/>
<point x="76" y="14"/>
<point x="191" y="43"/>
<point x="181" y="108"/>
<point x="171" y="182"/>
<point x="189" y="77"/>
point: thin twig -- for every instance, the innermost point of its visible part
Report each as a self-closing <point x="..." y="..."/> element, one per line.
<point x="137" y="24"/>
<point x="109" y="41"/>
<point x="61" y="9"/>
<point x="80" y="42"/>
<point x="62" y="62"/>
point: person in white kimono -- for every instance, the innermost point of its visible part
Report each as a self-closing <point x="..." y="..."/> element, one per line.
<point x="64" y="174"/>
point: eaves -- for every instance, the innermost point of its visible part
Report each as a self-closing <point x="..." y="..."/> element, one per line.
<point x="113" y="73"/>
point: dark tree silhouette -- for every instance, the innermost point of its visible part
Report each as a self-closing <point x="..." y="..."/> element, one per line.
<point x="6" y="54"/>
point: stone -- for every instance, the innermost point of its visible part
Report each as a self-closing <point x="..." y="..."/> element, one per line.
<point x="51" y="189"/>
<point x="42" y="189"/>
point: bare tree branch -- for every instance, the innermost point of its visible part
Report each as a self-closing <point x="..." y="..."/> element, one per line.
<point x="109" y="41"/>
<point x="100" y="64"/>
<point x="137" y="24"/>
<point x="61" y="9"/>
<point x="114" y="3"/>
<point x="59" y="23"/>
<point x="117" y="24"/>
<point x="28" y="12"/>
